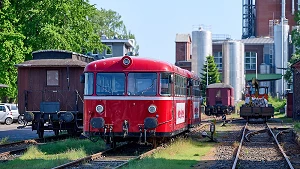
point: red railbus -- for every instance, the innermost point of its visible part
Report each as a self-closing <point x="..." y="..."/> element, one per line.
<point x="139" y="99"/>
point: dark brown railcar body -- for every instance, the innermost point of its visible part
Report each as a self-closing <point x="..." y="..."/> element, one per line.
<point x="36" y="91"/>
<point x="219" y="99"/>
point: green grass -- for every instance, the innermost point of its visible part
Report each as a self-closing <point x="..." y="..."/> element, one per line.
<point x="284" y="119"/>
<point x="54" y="154"/>
<point x="182" y="154"/>
<point x="276" y="103"/>
<point x="238" y="105"/>
<point x="4" y="140"/>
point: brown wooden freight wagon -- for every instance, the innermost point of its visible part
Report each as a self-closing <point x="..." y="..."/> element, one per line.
<point x="50" y="94"/>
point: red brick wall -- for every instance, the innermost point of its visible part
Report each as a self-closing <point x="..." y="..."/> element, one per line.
<point x="271" y="9"/>
<point x="180" y="51"/>
<point x="188" y="52"/>
<point x="296" y="92"/>
<point x="183" y="51"/>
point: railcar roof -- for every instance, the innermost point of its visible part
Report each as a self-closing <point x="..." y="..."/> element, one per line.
<point x="219" y="85"/>
<point x="139" y="64"/>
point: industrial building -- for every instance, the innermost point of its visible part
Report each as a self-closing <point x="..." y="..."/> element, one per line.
<point x="263" y="50"/>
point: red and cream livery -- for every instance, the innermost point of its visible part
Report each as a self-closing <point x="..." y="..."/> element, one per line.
<point x="134" y="98"/>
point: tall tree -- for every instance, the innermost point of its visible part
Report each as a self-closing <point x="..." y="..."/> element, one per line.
<point x="109" y="23"/>
<point x="31" y="25"/>
<point x="296" y="56"/>
<point x="12" y="51"/>
<point x="213" y="74"/>
<point x="57" y="24"/>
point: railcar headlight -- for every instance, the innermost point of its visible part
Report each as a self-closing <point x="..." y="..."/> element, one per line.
<point x="152" y="109"/>
<point x="126" y="61"/>
<point x="99" y="108"/>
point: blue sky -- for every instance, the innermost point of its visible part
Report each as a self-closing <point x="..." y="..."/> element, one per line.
<point x="156" y="22"/>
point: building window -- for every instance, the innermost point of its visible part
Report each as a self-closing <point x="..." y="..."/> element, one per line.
<point x="218" y="59"/>
<point x="250" y="60"/>
<point x="271" y="59"/>
<point x="109" y="50"/>
<point x="52" y="78"/>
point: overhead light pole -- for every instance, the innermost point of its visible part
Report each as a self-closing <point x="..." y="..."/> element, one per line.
<point x="256" y="65"/>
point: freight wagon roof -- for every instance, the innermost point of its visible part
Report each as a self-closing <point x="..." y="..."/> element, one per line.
<point x="114" y="64"/>
<point x="52" y="63"/>
<point x="219" y="85"/>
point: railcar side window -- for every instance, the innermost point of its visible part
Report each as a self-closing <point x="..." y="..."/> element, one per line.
<point x="180" y="85"/>
<point x="110" y="84"/>
<point x="89" y="84"/>
<point x="142" y="84"/>
<point x="165" y="85"/>
<point x="52" y="78"/>
<point x="196" y="88"/>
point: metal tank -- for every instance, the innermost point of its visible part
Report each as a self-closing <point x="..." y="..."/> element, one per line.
<point x="281" y="56"/>
<point x="233" y="66"/>
<point x="201" y="48"/>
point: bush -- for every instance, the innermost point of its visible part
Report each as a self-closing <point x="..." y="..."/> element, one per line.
<point x="277" y="103"/>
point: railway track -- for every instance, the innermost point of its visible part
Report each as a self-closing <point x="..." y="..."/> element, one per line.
<point x="111" y="158"/>
<point x="115" y="158"/>
<point x="260" y="148"/>
<point x="13" y="150"/>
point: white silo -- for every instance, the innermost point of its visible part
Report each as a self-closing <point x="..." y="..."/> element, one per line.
<point x="281" y="50"/>
<point x="233" y="66"/>
<point x="201" y="48"/>
<point x="281" y="56"/>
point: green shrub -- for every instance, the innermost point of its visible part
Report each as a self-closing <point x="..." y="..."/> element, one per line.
<point x="277" y="103"/>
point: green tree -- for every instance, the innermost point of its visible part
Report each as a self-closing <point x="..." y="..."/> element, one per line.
<point x="109" y="23"/>
<point x="288" y="74"/>
<point x="12" y="51"/>
<point x="296" y="56"/>
<point x="56" y="24"/>
<point x="213" y="74"/>
<point x="31" y="25"/>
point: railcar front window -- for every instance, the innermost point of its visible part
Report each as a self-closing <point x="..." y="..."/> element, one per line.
<point x="88" y="83"/>
<point x="142" y="84"/>
<point x="110" y="84"/>
<point x="262" y="90"/>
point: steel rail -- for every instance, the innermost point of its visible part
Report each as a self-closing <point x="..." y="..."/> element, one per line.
<point x="283" y="153"/>
<point x="12" y="152"/>
<point x="81" y="160"/>
<point x="148" y="153"/>
<point x="240" y="147"/>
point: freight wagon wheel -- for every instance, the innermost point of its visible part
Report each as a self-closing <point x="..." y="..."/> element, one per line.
<point x="40" y="130"/>
<point x="56" y="132"/>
